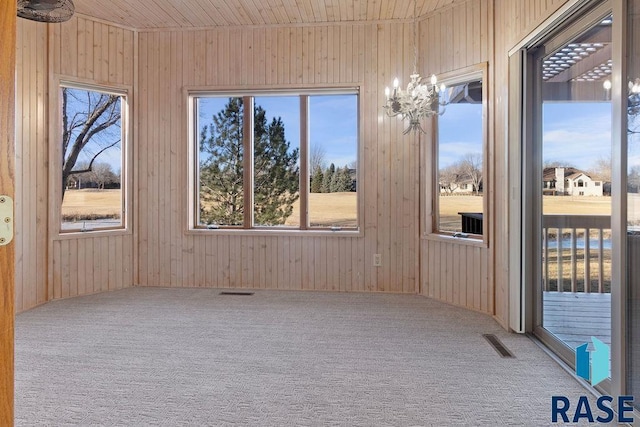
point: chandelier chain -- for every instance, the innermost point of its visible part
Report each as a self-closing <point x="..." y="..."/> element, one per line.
<point x="415" y="39"/>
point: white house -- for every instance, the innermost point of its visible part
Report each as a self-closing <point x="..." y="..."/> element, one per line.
<point x="570" y="182"/>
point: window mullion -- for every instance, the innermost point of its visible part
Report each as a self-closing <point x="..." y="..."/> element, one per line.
<point x="195" y="203"/>
<point x="247" y="146"/>
<point x="304" y="162"/>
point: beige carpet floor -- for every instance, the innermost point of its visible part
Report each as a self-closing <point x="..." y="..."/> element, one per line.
<point x="193" y="357"/>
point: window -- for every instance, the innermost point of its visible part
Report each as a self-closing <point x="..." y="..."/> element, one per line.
<point x="92" y="190"/>
<point x="302" y="171"/>
<point x="459" y="135"/>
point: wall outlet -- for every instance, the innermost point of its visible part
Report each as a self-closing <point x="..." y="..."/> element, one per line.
<point x="377" y="260"/>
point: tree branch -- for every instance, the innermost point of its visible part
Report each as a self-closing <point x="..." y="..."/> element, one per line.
<point x="90" y="167"/>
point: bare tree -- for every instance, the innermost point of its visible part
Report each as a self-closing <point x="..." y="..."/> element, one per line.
<point x="601" y="169"/>
<point x="449" y="178"/>
<point x="102" y="174"/>
<point x="317" y="157"/>
<point x="633" y="180"/>
<point x="86" y="115"/>
<point x="471" y="168"/>
<point x="556" y="164"/>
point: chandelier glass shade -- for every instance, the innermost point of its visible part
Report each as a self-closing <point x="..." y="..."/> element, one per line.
<point x="420" y="100"/>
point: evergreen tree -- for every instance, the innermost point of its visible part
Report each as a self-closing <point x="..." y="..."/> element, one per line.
<point x="334" y="186"/>
<point x="276" y="174"/>
<point x="221" y="167"/>
<point x="345" y="181"/>
<point x="316" y="180"/>
<point x="341" y="181"/>
<point x="327" y="178"/>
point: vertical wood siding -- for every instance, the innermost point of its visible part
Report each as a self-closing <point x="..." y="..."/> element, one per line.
<point x="459" y="36"/>
<point x="367" y="55"/>
<point x="47" y="267"/>
<point x="31" y="164"/>
<point x="515" y="20"/>
<point x="452" y="271"/>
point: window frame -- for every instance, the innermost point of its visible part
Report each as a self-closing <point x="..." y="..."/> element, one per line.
<point x="248" y="226"/>
<point x="464" y="75"/>
<point x="55" y="152"/>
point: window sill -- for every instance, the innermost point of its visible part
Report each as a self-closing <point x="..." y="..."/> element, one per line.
<point x="476" y="241"/>
<point x="353" y="233"/>
<point x="73" y="234"/>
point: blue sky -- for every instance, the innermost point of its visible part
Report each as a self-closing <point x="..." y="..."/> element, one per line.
<point x="332" y="125"/>
<point x="113" y="155"/>
<point x="459" y="132"/>
<point x="576" y="133"/>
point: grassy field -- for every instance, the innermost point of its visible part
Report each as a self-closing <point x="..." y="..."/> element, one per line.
<point x="594" y="267"/>
<point x="328" y="209"/>
<point x="91" y="203"/>
<point x="340" y="209"/>
<point x="567" y="205"/>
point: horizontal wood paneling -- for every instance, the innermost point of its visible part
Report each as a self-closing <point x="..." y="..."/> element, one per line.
<point x="46" y="268"/>
<point x="362" y="54"/>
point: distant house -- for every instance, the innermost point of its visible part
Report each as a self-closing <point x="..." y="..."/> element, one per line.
<point x="569" y="182"/>
<point x="461" y="185"/>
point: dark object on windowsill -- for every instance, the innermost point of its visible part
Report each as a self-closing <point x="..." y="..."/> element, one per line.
<point x="471" y="222"/>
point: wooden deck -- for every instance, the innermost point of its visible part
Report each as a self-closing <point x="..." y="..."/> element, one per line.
<point x="575" y="317"/>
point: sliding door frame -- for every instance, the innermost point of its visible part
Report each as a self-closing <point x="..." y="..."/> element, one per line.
<point x="525" y="158"/>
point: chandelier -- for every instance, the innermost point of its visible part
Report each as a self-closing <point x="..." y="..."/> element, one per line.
<point x="419" y="100"/>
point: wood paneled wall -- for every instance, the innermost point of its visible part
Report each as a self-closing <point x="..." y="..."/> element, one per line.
<point x="163" y="253"/>
<point x="31" y="164"/>
<point x="477" y="277"/>
<point x="451" y="270"/>
<point x="367" y="55"/>
<point x="47" y="266"/>
<point x="513" y="21"/>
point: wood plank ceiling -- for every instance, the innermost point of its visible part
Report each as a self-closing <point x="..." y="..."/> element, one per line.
<point x="165" y="14"/>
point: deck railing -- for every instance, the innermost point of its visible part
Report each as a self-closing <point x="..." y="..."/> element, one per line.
<point x="566" y="265"/>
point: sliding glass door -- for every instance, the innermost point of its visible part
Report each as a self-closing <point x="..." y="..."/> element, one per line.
<point x="633" y="201"/>
<point x="568" y="203"/>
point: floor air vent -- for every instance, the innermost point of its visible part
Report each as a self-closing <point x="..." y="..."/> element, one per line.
<point x="502" y="350"/>
<point x="236" y="293"/>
